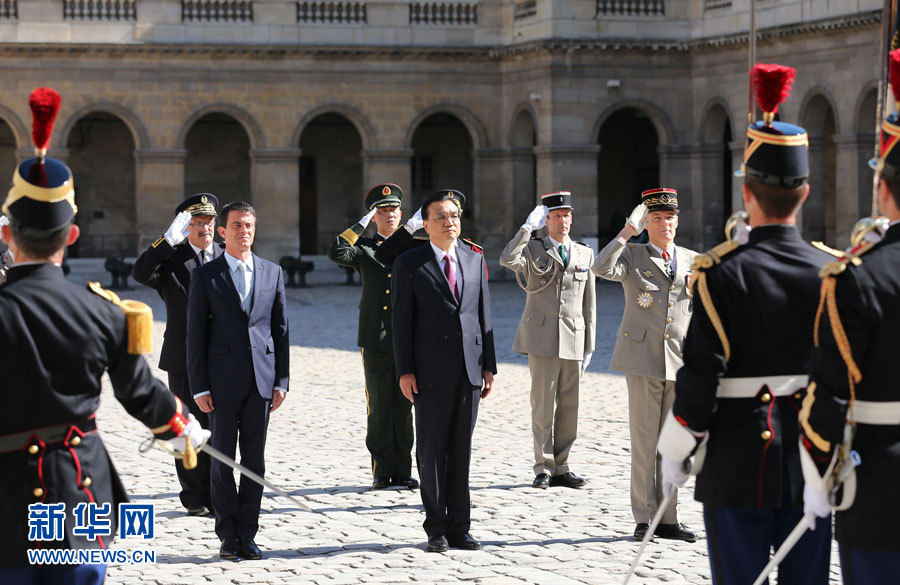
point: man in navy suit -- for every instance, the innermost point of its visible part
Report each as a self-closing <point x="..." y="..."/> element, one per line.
<point x="166" y="266"/>
<point x="238" y="368"/>
<point x="444" y="351"/>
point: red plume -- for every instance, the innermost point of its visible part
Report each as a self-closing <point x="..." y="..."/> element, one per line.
<point x="44" y="103"/>
<point x="773" y="85"/>
<point x="894" y="78"/>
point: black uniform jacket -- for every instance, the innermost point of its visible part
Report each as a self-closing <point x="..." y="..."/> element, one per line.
<point x="766" y="293"/>
<point x="868" y="303"/>
<point x="168" y="270"/>
<point x="58" y="339"/>
<point x="375" y="305"/>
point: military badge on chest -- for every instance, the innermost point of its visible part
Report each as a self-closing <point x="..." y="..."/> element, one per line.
<point x="644" y="299"/>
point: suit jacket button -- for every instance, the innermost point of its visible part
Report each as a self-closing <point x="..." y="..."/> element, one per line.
<point x="667" y="336"/>
<point x="668" y="319"/>
<point x="797" y="396"/>
<point x="388" y="291"/>
<point x="625" y="335"/>
<point x="33" y="449"/>
<point x="765" y="398"/>
<point x="37" y="492"/>
<point x="86" y="482"/>
<point x="384" y="308"/>
<point x="671" y="304"/>
<point x="76" y="440"/>
<point x="672" y="287"/>
<point x="389" y="274"/>
<point x="766" y="435"/>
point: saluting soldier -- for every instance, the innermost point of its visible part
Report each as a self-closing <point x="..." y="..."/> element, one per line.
<point x="746" y="356"/>
<point x="648" y="345"/>
<point x="62" y="338"/>
<point x="389" y="431"/>
<point x="851" y="414"/>
<point x="556" y="331"/>
<point x="166" y="266"/>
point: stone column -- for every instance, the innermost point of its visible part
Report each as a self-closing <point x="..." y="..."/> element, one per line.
<point x="853" y="187"/>
<point x="389" y="165"/>
<point x="491" y="202"/>
<point x="275" y="183"/>
<point x="572" y="167"/>
<point x="737" y="184"/>
<point x="680" y="169"/>
<point x="812" y="215"/>
<point x="159" y="188"/>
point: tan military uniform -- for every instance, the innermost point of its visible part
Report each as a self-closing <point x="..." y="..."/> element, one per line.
<point x="648" y="351"/>
<point x="556" y="329"/>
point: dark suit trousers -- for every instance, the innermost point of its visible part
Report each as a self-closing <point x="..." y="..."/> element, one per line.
<point x="389" y="429"/>
<point x="194" y="482"/>
<point x="445" y="419"/>
<point x="238" y="421"/>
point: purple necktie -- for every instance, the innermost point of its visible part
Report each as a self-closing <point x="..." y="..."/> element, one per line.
<point x="451" y="276"/>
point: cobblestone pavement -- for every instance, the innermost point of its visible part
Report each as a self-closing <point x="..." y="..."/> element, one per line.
<point x="316" y="450"/>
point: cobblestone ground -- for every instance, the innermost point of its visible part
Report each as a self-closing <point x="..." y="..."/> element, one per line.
<point x="316" y="450"/>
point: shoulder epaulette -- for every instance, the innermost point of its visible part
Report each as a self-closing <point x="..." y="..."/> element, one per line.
<point x="827" y="249"/>
<point x="138" y="315"/>
<point x="714" y="256"/>
<point x="850" y="257"/>
<point x="631" y="244"/>
<point x="473" y="245"/>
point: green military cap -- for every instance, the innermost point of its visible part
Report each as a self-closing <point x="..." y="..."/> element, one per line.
<point x="384" y="195"/>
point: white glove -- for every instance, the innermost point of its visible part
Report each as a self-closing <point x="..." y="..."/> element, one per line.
<point x="4" y="220"/>
<point x="364" y="220"/>
<point x="815" y="505"/>
<point x="178" y="231"/>
<point x="197" y="433"/>
<point x="537" y="218"/>
<point x="673" y="475"/>
<point x="638" y="218"/>
<point x="587" y="360"/>
<point x="415" y="222"/>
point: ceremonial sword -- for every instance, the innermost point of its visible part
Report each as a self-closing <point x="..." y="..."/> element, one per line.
<point x="783" y="550"/>
<point x="656" y="520"/>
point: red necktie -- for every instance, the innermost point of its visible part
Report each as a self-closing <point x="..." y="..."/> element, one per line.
<point x="451" y="276"/>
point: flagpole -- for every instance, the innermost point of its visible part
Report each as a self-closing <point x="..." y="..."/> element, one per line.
<point x="751" y="58"/>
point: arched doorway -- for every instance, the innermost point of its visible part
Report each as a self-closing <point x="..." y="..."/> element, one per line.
<point x="865" y="132"/>
<point x="524" y="163"/>
<point x="218" y="159"/>
<point x="7" y="149"/>
<point x="331" y="189"/>
<point x="628" y="163"/>
<point x="818" y="215"/>
<point x="717" y="174"/>
<point x="101" y="156"/>
<point x="442" y="159"/>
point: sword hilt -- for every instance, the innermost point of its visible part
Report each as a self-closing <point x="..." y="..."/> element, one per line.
<point x="189" y="458"/>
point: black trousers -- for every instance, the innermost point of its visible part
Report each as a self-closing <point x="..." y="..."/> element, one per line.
<point x="238" y="420"/>
<point x="194" y="482"/>
<point x="445" y="419"/>
<point x="389" y="428"/>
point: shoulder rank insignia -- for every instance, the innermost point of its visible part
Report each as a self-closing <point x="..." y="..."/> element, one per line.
<point x="714" y="256"/>
<point x="844" y="258"/>
<point x="138" y="315"/>
<point x="701" y="264"/>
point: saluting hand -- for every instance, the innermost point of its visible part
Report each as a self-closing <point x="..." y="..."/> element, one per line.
<point x="364" y="220"/>
<point x="415" y="222"/>
<point x="638" y="218"/>
<point x="537" y="218"/>
<point x="408" y="386"/>
<point x="178" y="231"/>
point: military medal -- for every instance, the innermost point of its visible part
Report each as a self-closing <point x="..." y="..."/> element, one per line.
<point x="644" y="299"/>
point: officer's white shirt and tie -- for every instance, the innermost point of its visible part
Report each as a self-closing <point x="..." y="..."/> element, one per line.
<point x="242" y="275"/>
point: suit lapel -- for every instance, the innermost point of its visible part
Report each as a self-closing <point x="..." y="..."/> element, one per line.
<point x="437" y="273"/>
<point x="258" y="272"/>
<point x="553" y="252"/>
<point x="657" y="261"/>
<point x="227" y="283"/>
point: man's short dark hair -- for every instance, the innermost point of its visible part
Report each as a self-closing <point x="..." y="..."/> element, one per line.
<point x="239" y="206"/>
<point x="893" y="183"/>
<point x="776" y="202"/>
<point x="437" y="198"/>
<point x="39" y="244"/>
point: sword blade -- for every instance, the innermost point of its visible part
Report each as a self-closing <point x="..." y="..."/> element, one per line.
<point x="783" y="550"/>
<point x="216" y="454"/>
<point x="656" y="520"/>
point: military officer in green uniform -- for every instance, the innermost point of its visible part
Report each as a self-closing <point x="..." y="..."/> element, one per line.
<point x="389" y="433"/>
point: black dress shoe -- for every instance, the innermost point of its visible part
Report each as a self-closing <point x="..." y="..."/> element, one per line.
<point x="381" y="483"/>
<point x="542" y="481"/>
<point x="408" y="481"/>
<point x="675" y="532"/>
<point x="567" y="479"/>
<point x="640" y="531"/>
<point x="249" y="550"/>
<point x="437" y="544"/>
<point x="463" y="541"/>
<point x="199" y="511"/>
<point x="230" y="549"/>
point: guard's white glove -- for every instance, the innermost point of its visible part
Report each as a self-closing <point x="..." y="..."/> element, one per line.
<point x="364" y="220"/>
<point x="537" y="218"/>
<point x="815" y="505"/>
<point x="197" y="434"/>
<point x="415" y="222"/>
<point x="4" y="220"/>
<point x="674" y="475"/>
<point x="178" y="231"/>
<point x="586" y="361"/>
<point x="638" y="218"/>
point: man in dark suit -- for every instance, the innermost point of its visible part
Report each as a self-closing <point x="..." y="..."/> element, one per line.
<point x="238" y="368"/>
<point x="166" y="266"/>
<point x="444" y="351"/>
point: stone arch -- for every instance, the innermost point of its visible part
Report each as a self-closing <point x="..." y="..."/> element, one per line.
<point x="19" y="130"/>
<point x="808" y="107"/>
<point x="717" y="197"/>
<point x="522" y="108"/>
<point x="522" y="140"/>
<point x="251" y="126"/>
<point x="363" y="126"/>
<point x="818" y="115"/>
<point x="665" y="130"/>
<point x="864" y="114"/>
<point x="130" y="119"/>
<point x="477" y="131"/>
<point x="714" y="110"/>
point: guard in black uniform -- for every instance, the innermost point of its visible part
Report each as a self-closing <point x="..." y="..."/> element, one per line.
<point x="851" y="414"/>
<point x="746" y="356"/>
<point x="166" y="266"/>
<point x="389" y="430"/>
<point x="59" y="339"/>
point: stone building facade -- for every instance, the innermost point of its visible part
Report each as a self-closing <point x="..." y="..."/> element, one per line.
<point x="300" y="106"/>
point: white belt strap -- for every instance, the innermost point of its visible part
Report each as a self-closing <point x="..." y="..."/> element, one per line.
<point x="876" y="413"/>
<point x="749" y="387"/>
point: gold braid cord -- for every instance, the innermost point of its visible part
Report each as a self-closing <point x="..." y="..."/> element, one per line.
<point x="840" y="338"/>
<point x="533" y="267"/>
<point x="701" y="263"/>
